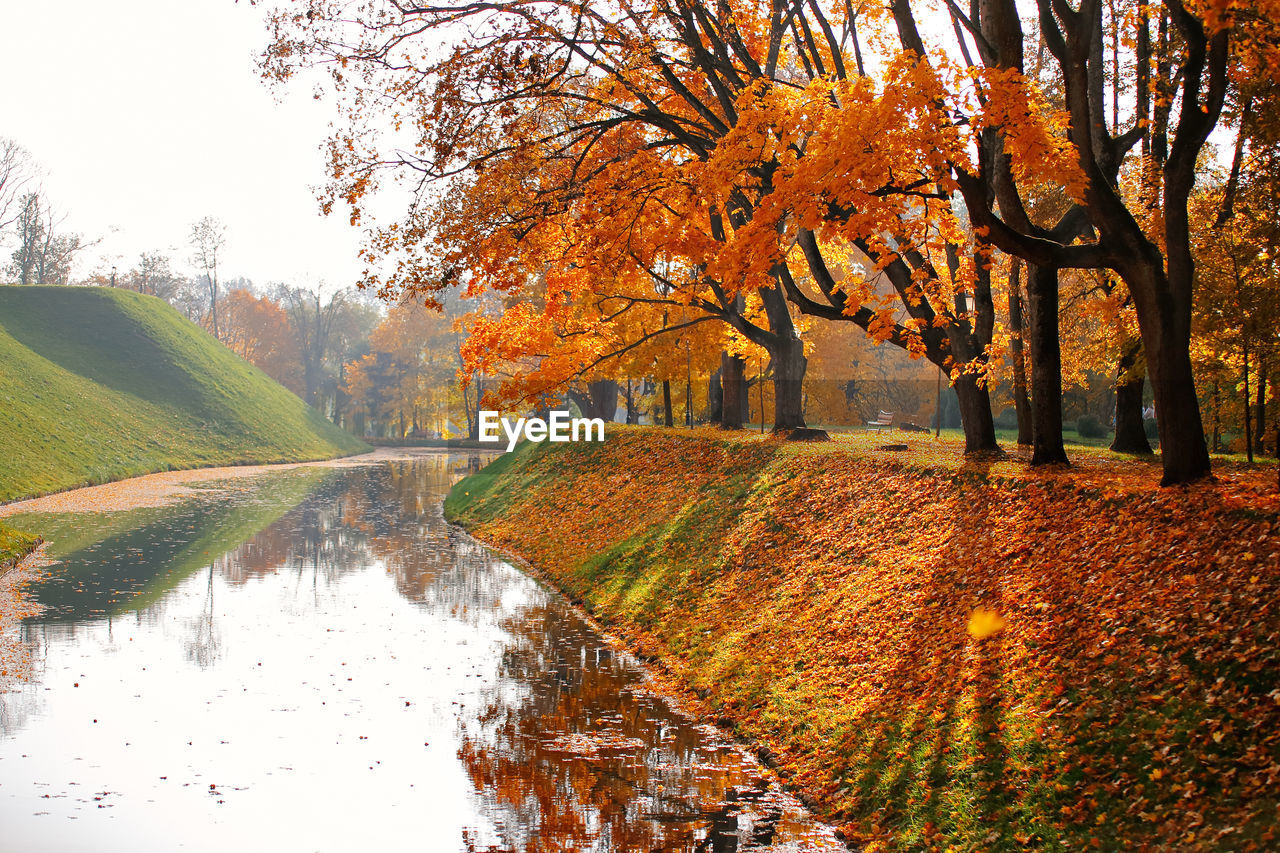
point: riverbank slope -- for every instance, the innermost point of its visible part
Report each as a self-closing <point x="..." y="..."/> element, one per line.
<point x="942" y="656"/>
<point x="99" y="384"/>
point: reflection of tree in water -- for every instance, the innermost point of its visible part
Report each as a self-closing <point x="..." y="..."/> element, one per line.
<point x="391" y="512"/>
<point x="566" y="752"/>
<point x="584" y="759"/>
<point x="203" y="640"/>
<point x="316" y="540"/>
<point x="399" y="508"/>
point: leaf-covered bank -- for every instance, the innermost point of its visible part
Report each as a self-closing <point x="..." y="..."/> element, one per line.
<point x="944" y="659"/>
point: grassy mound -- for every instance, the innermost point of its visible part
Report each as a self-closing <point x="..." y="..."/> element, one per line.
<point x="949" y="657"/>
<point x="99" y="384"/>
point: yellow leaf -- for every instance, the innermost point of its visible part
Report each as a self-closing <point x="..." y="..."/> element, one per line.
<point x="983" y="623"/>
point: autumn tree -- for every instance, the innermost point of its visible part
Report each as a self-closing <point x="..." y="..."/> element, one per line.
<point x="1181" y="82"/>
<point x="1238" y="291"/>
<point x="718" y="158"/>
<point x="327" y="333"/>
<point x="30" y="227"/>
<point x="557" y="118"/>
<point x="411" y="376"/>
<point x="257" y="329"/>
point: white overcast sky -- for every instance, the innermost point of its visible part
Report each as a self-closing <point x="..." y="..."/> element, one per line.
<point x="147" y="115"/>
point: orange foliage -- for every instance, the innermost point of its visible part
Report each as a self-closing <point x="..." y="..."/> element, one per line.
<point x="257" y="329"/>
<point x="941" y="655"/>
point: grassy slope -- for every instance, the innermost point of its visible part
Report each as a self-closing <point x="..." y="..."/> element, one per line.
<point x="99" y="384"/>
<point x="828" y="601"/>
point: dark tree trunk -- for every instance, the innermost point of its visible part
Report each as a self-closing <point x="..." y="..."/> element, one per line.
<point x="599" y="401"/>
<point x="1261" y="408"/>
<point x="604" y="398"/>
<point x="1182" y="448"/>
<point x="633" y="413"/>
<point x="1021" y="402"/>
<point x="975" y="415"/>
<point x="668" y="419"/>
<point x="1046" y="367"/>
<point x="715" y="396"/>
<point x="1217" y="418"/>
<point x="789" y="365"/>
<point x="1131" y="432"/>
<point x="733" y="380"/>
<point x="786" y="354"/>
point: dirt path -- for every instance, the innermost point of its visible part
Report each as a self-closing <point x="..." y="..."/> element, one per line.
<point x="164" y="488"/>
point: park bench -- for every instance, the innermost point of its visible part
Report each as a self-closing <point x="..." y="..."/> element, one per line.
<point x="884" y="421"/>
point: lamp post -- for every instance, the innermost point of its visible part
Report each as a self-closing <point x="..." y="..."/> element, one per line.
<point x="937" y="407"/>
<point x="760" y="382"/>
<point x="688" y="384"/>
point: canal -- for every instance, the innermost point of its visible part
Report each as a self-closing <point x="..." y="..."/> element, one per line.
<point x="312" y="659"/>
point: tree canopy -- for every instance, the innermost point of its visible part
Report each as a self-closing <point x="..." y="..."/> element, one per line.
<point x="629" y="179"/>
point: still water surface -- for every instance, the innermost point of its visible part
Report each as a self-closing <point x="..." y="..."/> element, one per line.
<point x="314" y="660"/>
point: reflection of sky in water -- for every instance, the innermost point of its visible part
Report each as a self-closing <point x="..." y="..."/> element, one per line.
<point x="320" y="663"/>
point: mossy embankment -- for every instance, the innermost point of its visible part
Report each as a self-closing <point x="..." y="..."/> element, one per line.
<point x="14" y="545"/>
<point x="964" y="657"/>
<point x="98" y="384"/>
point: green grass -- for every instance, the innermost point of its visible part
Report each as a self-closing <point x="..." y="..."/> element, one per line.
<point x="100" y="384"/>
<point x="480" y="486"/>
<point x="15" y="544"/>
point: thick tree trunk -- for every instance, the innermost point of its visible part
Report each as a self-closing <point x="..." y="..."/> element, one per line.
<point x="1021" y="401"/>
<point x="604" y="398"/>
<point x="715" y="396"/>
<point x="789" y="365"/>
<point x="733" y="381"/>
<point x="1131" y="432"/>
<point x="599" y="401"/>
<point x="786" y="354"/>
<point x="975" y="415"/>
<point x="1182" y="445"/>
<point x="1161" y="289"/>
<point x="668" y="419"/>
<point x="1046" y="367"/>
